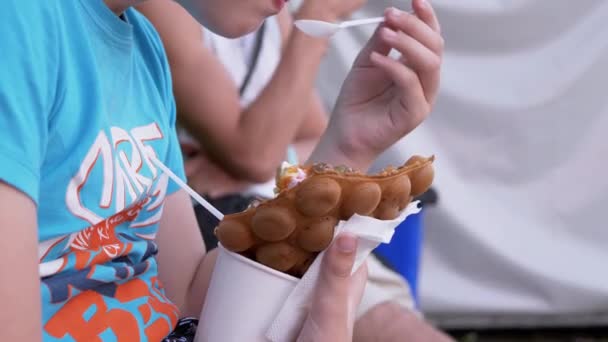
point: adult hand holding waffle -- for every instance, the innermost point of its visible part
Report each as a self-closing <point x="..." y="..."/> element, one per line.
<point x="383" y="99"/>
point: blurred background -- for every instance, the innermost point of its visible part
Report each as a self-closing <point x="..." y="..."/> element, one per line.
<point x="517" y="246"/>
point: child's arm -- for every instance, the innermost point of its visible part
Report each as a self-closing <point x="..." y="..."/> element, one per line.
<point x="183" y="265"/>
<point x="249" y="142"/>
<point x="19" y="281"/>
<point x="182" y="254"/>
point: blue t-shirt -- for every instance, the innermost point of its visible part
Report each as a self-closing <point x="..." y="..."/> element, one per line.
<point x="85" y="99"/>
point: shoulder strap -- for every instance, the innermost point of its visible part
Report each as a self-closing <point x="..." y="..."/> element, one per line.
<point x="259" y="42"/>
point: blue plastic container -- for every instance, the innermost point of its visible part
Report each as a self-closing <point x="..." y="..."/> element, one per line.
<point x="404" y="251"/>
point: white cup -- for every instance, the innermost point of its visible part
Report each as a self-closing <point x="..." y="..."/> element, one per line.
<point x="243" y="299"/>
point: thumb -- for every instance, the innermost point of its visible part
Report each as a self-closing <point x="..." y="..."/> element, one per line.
<point x="338" y="293"/>
<point x="338" y="262"/>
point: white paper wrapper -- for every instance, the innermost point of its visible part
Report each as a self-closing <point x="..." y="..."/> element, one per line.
<point x="371" y="233"/>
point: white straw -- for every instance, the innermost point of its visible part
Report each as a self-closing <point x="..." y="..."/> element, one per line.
<point x="188" y="189"/>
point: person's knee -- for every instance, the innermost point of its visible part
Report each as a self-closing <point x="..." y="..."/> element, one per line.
<point x="390" y="322"/>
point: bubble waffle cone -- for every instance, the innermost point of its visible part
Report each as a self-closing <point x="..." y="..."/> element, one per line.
<point x="286" y="233"/>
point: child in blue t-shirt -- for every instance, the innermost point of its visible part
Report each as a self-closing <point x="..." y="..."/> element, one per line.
<point x="97" y="243"/>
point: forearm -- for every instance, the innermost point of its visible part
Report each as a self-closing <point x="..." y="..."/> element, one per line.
<point x="21" y="314"/>
<point x="21" y="311"/>
<point x="270" y="123"/>
<point x="200" y="285"/>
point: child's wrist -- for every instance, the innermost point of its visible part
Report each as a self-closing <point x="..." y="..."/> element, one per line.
<point x="334" y="150"/>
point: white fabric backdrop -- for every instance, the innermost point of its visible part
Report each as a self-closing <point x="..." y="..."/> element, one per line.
<point x="519" y="131"/>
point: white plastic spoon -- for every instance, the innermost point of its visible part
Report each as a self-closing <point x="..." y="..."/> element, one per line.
<point x="324" y="29"/>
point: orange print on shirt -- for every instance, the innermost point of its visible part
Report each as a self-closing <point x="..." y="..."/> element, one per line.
<point x="70" y="321"/>
<point x="100" y="241"/>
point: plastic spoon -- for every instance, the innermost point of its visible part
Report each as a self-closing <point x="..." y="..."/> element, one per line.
<point x="324" y="29"/>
